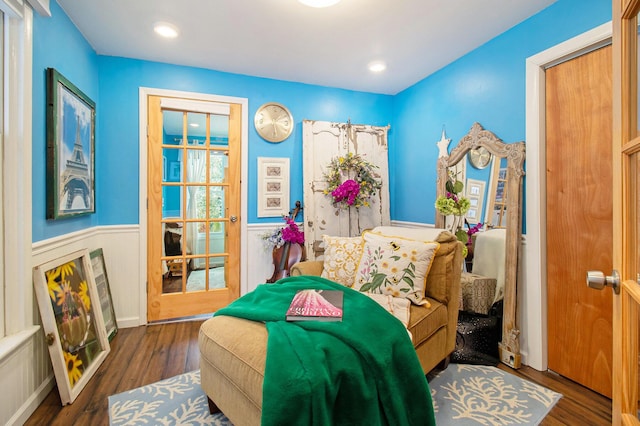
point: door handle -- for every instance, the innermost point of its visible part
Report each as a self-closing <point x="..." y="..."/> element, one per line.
<point x="233" y="219"/>
<point x="598" y="281"/>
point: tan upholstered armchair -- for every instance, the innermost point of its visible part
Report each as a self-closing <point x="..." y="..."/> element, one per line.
<point x="433" y="328"/>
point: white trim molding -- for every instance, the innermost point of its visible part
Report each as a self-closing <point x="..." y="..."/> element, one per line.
<point x="535" y="291"/>
<point x="17" y="140"/>
<point x="40" y="6"/>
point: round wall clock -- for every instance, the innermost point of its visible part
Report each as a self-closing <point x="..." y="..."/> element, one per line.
<point x="273" y="122"/>
<point x="479" y="157"/>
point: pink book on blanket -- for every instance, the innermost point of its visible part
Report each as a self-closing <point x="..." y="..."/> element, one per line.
<point x="316" y="305"/>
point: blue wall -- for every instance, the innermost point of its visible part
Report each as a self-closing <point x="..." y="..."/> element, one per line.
<point x="121" y="79"/>
<point x="487" y="85"/>
<point x="117" y="138"/>
<point x="58" y="44"/>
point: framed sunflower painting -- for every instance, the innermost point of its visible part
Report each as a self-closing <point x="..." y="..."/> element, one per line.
<point x="72" y="321"/>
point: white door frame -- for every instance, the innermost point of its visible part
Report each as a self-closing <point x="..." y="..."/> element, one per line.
<point x="534" y="295"/>
<point x="144" y="92"/>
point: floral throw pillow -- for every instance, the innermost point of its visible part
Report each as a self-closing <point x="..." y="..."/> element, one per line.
<point x="395" y="266"/>
<point x="341" y="258"/>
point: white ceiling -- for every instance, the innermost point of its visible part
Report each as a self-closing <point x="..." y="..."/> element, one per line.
<point x="285" y="40"/>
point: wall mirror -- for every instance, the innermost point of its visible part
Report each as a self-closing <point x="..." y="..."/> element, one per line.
<point x="504" y="201"/>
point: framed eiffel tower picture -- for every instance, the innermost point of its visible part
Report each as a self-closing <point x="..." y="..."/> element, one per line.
<point x="71" y="119"/>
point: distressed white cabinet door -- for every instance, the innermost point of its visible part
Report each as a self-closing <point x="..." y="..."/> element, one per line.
<point x="370" y="142"/>
<point x="323" y="141"/>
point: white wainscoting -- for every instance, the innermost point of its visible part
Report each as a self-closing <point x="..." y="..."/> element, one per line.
<point x="25" y="367"/>
<point x="26" y="376"/>
<point x="260" y="263"/>
<point x="120" y="245"/>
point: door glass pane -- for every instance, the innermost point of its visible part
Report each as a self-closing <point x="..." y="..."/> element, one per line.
<point x="196" y="202"/>
<point x="216" y="240"/>
<point x="171" y="159"/>
<point x="206" y="279"/>
<point x="171" y="202"/>
<point x="172" y="126"/>
<point x="216" y="202"/>
<point x="196" y="165"/>
<point x="195" y="237"/>
<point x="219" y="130"/>
<point x="196" y="128"/>
<point x="218" y="164"/>
<point x="173" y="265"/>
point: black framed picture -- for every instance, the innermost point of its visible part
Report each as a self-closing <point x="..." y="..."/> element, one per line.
<point x="70" y="149"/>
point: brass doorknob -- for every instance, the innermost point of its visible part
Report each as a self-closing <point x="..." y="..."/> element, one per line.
<point x="50" y="339"/>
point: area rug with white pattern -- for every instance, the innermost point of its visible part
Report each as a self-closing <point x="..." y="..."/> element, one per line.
<point x="462" y="395"/>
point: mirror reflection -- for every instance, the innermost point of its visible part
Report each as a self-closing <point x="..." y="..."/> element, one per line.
<point x="491" y="173"/>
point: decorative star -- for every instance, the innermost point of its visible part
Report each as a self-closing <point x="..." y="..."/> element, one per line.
<point x="443" y="145"/>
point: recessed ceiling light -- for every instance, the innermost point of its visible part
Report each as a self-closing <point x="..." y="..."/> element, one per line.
<point x="377" y="66"/>
<point x="166" y="30"/>
<point x="194" y="125"/>
<point x="319" y="3"/>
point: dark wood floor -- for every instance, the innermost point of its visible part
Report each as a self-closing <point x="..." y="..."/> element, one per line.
<point x="143" y="355"/>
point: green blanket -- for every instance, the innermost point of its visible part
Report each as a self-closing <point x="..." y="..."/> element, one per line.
<point x="361" y="371"/>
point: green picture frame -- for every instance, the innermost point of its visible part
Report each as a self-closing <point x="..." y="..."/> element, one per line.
<point x="104" y="292"/>
<point x="70" y="149"/>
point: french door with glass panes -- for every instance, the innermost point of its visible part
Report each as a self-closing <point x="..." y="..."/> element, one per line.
<point x="626" y="207"/>
<point x="193" y="204"/>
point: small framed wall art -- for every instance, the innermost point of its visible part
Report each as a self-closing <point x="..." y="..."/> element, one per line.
<point x="273" y="187"/>
<point x="475" y="194"/>
<point x="71" y="127"/>
<point x="72" y="321"/>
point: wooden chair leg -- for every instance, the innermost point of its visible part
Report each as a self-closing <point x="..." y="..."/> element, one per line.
<point x="444" y="363"/>
<point x="213" y="408"/>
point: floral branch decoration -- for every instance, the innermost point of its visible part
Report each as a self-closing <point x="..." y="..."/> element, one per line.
<point x="358" y="187"/>
<point x="453" y="203"/>
<point x="290" y="233"/>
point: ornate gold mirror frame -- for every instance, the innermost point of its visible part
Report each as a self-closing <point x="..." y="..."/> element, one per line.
<point x="509" y="347"/>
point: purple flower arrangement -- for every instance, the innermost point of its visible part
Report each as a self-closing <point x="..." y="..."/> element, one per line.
<point x="472" y="230"/>
<point x="360" y="181"/>
<point x="291" y="233"/>
<point x="347" y="190"/>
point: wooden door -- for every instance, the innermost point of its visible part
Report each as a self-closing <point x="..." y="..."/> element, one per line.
<point x="579" y="217"/>
<point x="193" y="206"/>
<point x="323" y="141"/>
<point x="626" y="201"/>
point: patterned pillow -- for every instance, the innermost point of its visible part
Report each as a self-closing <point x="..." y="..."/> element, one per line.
<point x="396" y="266"/>
<point x="341" y="257"/>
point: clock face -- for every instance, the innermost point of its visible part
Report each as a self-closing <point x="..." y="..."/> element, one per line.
<point x="479" y="157"/>
<point x="273" y="122"/>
